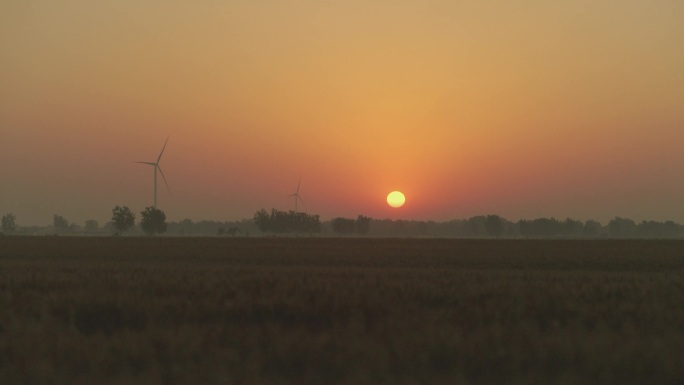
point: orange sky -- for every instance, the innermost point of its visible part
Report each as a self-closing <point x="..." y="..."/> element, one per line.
<point x="525" y="109"/>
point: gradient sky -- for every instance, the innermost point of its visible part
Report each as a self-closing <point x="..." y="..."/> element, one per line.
<point x="526" y="109"/>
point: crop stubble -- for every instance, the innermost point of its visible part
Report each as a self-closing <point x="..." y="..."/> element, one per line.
<point x="316" y="310"/>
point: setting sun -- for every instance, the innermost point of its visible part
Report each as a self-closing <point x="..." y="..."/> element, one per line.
<point x="396" y="199"/>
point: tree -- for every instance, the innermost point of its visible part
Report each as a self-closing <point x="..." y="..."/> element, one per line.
<point x="153" y="221"/>
<point x="346" y="226"/>
<point x="9" y="223"/>
<point x="123" y="218"/>
<point x="591" y="228"/>
<point x="343" y="225"/>
<point x="494" y="225"/>
<point x="539" y="228"/>
<point x="262" y="220"/>
<point x="477" y="226"/>
<point x="91" y="226"/>
<point x="60" y="223"/>
<point x="186" y="226"/>
<point x="362" y="225"/>
<point x="621" y="227"/>
<point x="74" y="228"/>
<point x="233" y="230"/>
<point x="287" y="222"/>
<point x="653" y="229"/>
<point x="571" y="228"/>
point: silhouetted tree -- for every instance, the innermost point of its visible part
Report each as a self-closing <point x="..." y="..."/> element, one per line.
<point x="548" y="227"/>
<point x="591" y="228"/>
<point x="621" y="227"/>
<point x="362" y="225"/>
<point x="263" y="220"/>
<point x="343" y="225"/>
<point x="476" y="226"/>
<point x="571" y="228"/>
<point x="671" y="229"/>
<point x="525" y="228"/>
<point x="91" y="226"/>
<point x="494" y="226"/>
<point x="60" y="224"/>
<point x="652" y="229"/>
<point x="75" y="228"/>
<point x="539" y="228"/>
<point x="420" y="228"/>
<point x="109" y="228"/>
<point x="233" y="230"/>
<point x="186" y="226"/>
<point x="449" y="228"/>
<point x="153" y="221"/>
<point x="9" y="223"/>
<point x="123" y="218"/>
<point x="400" y="228"/>
<point x="287" y="222"/>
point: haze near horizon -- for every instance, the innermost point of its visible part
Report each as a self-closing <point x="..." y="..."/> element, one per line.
<point x="526" y="109"/>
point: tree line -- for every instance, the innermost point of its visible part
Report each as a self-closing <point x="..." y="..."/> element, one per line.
<point x="290" y="222"/>
<point x="347" y="226"/>
<point x="494" y="226"/>
<point x="153" y="221"/>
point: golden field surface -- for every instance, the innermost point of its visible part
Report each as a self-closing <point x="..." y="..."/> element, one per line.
<point x="134" y="310"/>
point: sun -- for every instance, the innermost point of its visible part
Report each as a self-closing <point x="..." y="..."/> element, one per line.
<point x="396" y="199"/>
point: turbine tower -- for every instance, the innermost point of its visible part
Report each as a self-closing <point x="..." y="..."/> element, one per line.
<point x="156" y="167"/>
<point x="296" y="195"/>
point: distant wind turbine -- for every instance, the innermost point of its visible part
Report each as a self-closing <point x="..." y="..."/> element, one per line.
<point x="156" y="167"/>
<point x="296" y="195"/>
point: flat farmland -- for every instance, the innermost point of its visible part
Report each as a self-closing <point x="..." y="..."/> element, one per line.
<point x="134" y="310"/>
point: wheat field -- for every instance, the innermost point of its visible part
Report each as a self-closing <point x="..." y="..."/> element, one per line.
<point x="135" y="310"/>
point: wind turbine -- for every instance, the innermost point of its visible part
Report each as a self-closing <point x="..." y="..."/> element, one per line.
<point x="296" y="194"/>
<point x="156" y="167"/>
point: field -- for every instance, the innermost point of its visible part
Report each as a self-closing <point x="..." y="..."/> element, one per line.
<point x="140" y="310"/>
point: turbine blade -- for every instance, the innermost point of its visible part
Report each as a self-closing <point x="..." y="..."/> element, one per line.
<point x="163" y="148"/>
<point x="298" y="184"/>
<point x="163" y="177"/>
<point x="150" y="163"/>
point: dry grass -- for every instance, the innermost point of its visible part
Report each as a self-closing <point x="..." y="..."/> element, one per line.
<point x="361" y="311"/>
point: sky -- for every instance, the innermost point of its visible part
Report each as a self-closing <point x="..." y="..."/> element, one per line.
<point x="524" y="109"/>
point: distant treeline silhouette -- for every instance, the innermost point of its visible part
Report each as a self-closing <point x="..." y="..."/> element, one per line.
<point x="290" y="222"/>
<point x="283" y="223"/>
<point x="494" y="226"/>
<point x="347" y="226"/>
